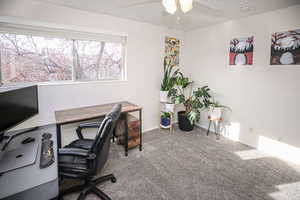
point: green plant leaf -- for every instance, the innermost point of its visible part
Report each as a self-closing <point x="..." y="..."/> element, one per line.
<point x="193" y="116"/>
<point x="179" y="99"/>
<point x="165" y="115"/>
<point x="172" y="92"/>
<point x="169" y="78"/>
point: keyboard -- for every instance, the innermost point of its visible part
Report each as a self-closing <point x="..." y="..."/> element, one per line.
<point x="47" y="153"/>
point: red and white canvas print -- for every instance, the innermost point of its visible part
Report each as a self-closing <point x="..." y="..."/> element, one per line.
<point x="285" y="48"/>
<point x="241" y="51"/>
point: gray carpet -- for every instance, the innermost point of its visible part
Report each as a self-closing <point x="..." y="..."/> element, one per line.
<point x="192" y="166"/>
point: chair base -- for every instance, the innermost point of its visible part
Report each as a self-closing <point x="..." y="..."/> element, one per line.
<point x="90" y="186"/>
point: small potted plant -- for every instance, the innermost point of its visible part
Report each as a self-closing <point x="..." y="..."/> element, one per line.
<point x="165" y="119"/>
<point x="193" y="100"/>
<point x="168" y="82"/>
<point x="170" y="107"/>
<point x="215" y="110"/>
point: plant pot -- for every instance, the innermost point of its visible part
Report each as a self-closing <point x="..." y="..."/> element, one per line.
<point x="170" y="107"/>
<point x="163" y="96"/>
<point x="183" y="122"/>
<point x="165" y="121"/>
<point x="215" y="113"/>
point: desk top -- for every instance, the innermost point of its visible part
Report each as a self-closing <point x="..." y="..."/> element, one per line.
<point x="29" y="177"/>
<point x="91" y="112"/>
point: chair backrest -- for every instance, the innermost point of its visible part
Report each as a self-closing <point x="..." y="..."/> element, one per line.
<point x="101" y="143"/>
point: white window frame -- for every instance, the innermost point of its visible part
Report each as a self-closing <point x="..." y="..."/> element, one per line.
<point x="11" y="25"/>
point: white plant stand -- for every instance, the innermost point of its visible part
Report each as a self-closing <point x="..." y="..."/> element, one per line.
<point x="162" y="110"/>
<point x="216" y="122"/>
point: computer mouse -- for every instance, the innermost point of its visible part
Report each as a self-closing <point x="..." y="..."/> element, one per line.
<point x="28" y="140"/>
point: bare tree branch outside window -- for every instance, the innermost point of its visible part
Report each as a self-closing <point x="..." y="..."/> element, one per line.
<point x="97" y="60"/>
<point x="26" y="58"/>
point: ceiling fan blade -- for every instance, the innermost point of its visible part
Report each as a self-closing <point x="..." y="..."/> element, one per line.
<point x="140" y="3"/>
<point x="207" y="9"/>
<point x="214" y="4"/>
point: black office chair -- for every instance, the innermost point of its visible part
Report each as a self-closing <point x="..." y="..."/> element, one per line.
<point x="84" y="157"/>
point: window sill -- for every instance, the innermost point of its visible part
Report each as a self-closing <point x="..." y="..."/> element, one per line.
<point x="7" y="86"/>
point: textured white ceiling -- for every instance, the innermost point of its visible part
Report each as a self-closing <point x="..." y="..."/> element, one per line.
<point x="205" y="12"/>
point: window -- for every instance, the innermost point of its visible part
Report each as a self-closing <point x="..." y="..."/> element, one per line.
<point x="34" y="59"/>
<point x="97" y="60"/>
<point x="25" y="58"/>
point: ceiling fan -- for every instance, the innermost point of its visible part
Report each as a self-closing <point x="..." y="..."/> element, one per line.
<point x="209" y="7"/>
<point x="172" y="5"/>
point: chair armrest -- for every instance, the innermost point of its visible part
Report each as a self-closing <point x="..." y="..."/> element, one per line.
<point x="90" y="125"/>
<point x="76" y="152"/>
<point x="86" y="125"/>
<point x="73" y="152"/>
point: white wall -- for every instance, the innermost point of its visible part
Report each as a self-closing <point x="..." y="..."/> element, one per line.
<point x="263" y="97"/>
<point x="145" y="51"/>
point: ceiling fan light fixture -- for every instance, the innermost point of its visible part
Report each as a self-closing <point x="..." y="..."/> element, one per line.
<point x="170" y="6"/>
<point x="186" y="5"/>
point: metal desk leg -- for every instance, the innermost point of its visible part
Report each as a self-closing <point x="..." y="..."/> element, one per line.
<point x="140" y="117"/>
<point x="126" y="134"/>
<point x="58" y="133"/>
<point x="114" y="135"/>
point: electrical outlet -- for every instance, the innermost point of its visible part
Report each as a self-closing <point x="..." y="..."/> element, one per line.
<point x="251" y="130"/>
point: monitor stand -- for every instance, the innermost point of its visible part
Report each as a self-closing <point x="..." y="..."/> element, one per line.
<point x="9" y="138"/>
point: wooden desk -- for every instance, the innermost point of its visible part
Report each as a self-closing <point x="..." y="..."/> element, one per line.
<point x="93" y="112"/>
<point x="30" y="182"/>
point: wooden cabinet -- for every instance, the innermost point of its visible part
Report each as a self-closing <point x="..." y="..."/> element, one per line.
<point x="133" y="131"/>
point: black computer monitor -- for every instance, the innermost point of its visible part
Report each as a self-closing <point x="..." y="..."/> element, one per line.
<point x="17" y="106"/>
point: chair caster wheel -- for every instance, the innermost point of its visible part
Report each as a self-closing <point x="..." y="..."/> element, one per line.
<point x="113" y="179"/>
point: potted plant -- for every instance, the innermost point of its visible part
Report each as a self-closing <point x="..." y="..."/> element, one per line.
<point x="193" y="101"/>
<point x="168" y="82"/>
<point x="215" y="110"/>
<point x="165" y="119"/>
<point x="170" y="107"/>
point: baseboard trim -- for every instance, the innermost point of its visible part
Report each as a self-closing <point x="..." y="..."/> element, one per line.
<point x="150" y="129"/>
<point x="204" y="127"/>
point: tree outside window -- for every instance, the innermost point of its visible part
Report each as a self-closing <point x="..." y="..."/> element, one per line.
<point x="97" y="60"/>
<point x="26" y="59"/>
